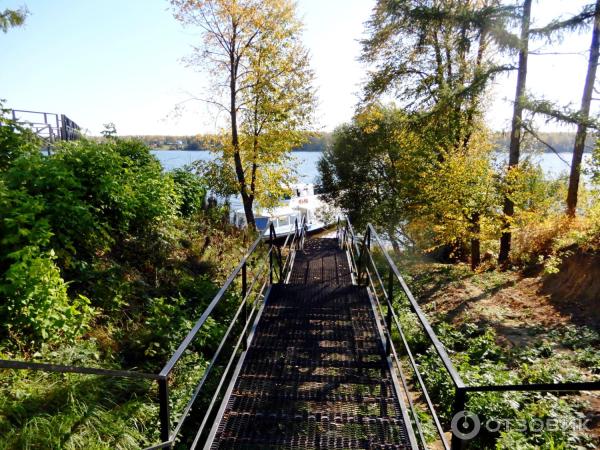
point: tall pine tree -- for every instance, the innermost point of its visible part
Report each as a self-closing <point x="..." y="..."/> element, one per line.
<point x="517" y="119"/>
<point x="584" y="111"/>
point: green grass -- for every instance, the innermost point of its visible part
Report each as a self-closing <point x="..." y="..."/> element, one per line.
<point x="72" y="411"/>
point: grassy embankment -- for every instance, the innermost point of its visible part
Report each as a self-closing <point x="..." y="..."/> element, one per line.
<point x="534" y="324"/>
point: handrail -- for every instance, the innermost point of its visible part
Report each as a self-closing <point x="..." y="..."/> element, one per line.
<point x="439" y="347"/>
<point x="249" y="294"/>
<point x="364" y="250"/>
<point x="274" y="253"/>
<point x="297" y="243"/>
<point x="168" y="367"/>
<point x="361" y="257"/>
<point x="190" y="403"/>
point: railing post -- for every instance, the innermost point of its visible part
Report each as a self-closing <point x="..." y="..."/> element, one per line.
<point x="63" y="127"/>
<point x="280" y="263"/>
<point x="297" y="234"/>
<point x="359" y="260"/>
<point x="245" y="307"/>
<point x="367" y="253"/>
<point x="460" y="401"/>
<point x="366" y="249"/>
<point x="271" y="261"/>
<point x="278" y="255"/>
<point x="388" y="319"/>
<point x="346" y="234"/>
<point x="359" y="265"/>
<point x="165" y="409"/>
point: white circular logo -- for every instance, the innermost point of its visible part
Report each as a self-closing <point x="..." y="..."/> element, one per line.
<point x="465" y="425"/>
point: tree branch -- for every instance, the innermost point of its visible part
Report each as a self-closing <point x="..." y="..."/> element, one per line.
<point x="204" y="100"/>
<point x="531" y="131"/>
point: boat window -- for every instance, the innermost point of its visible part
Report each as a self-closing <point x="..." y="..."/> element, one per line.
<point x="283" y="221"/>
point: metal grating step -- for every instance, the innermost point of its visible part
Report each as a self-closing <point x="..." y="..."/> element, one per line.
<point x="315" y="375"/>
<point x="329" y="375"/>
<point x="257" y="387"/>
<point x="321" y="261"/>
<point x="319" y="408"/>
<point x="311" y="363"/>
<point x="316" y="431"/>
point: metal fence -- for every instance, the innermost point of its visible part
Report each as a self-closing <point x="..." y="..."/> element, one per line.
<point x="383" y="289"/>
<point x="51" y="127"/>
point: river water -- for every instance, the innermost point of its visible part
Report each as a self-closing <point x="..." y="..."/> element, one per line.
<point x="306" y="162"/>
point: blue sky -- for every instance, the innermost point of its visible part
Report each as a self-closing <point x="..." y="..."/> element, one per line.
<point x="120" y="61"/>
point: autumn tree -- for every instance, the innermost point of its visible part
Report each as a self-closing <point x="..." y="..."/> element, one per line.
<point x="280" y="104"/>
<point x="382" y="168"/>
<point x="262" y="80"/>
<point x="460" y="202"/>
<point x="371" y="170"/>
<point x="436" y="59"/>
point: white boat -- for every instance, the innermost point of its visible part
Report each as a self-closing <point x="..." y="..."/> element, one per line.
<point x="303" y="204"/>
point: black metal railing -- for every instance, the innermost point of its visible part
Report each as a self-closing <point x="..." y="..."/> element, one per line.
<point x="265" y="263"/>
<point x="51" y="127"/>
<point x="366" y="271"/>
<point x="247" y="309"/>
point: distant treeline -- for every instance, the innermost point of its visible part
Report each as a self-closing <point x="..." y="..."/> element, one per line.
<point x="562" y="142"/>
<point x="316" y="142"/>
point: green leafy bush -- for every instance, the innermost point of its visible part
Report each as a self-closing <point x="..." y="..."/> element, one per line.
<point x="101" y="219"/>
<point x="191" y="190"/>
<point x="481" y="361"/>
<point x="123" y="184"/>
<point x="15" y="140"/>
<point x="37" y="307"/>
<point x="59" y="214"/>
<point x="36" y="304"/>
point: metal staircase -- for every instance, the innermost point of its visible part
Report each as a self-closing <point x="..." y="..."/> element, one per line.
<point x="315" y="375"/>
